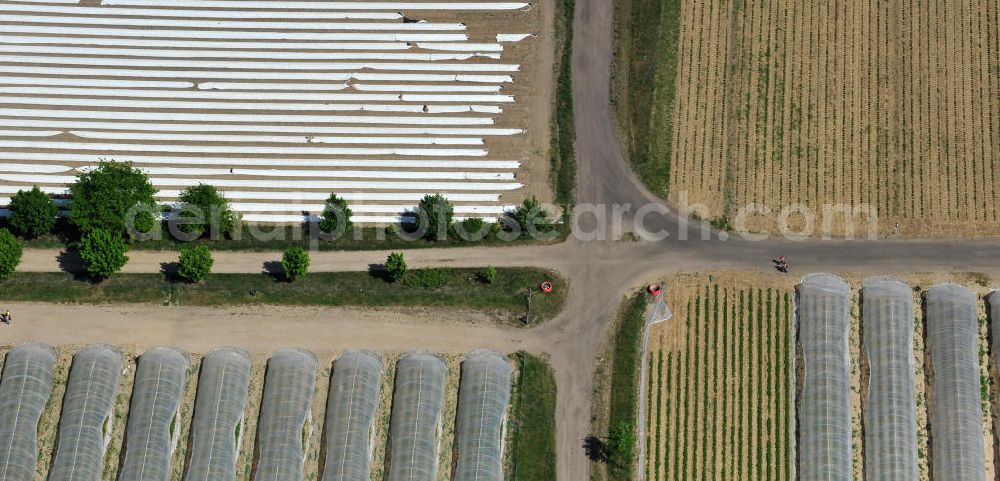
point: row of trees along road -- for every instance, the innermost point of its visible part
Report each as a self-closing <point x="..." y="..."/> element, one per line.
<point x="114" y="205"/>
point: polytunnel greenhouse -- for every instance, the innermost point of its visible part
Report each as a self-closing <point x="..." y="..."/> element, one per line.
<point x="955" y="411"/>
<point x="483" y="397"/>
<point x="289" y="387"/>
<point x="24" y="390"/>
<point x="416" y="418"/>
<point x="824" y="418"/>
<point x="355" y="386"/>
<point x="156" y="398"/>
<point x="891" y="410"/>
<point x="218" y="414"/>
<point x="85" y="424"/>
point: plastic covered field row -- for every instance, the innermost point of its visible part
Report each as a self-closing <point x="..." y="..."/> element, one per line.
<point x="334" y="174"/>
<point x="327" y="185"/>
<point x="270" y="139"/>
<point x="483" y="399"/>
<point x="956" y="413"/>
<point x="223" y="385"/>
<point x="87" y="408"/>
<point x="166" y="84"/>
<point x="258" y="129"/>
<point x="360" y="219"/>
<point x="255" y="95"/>
<point x="230" y="75"/>
<point x="238" y="34"/>
<point x="225" y="149"/>
<point x="824" y="417"/>
<point x="352" y="405"/>
<point x="289" y="387"/>
<point x="206" y="105"/>
<point x="236" y="64"/>
<point x="145" y="115"/>
<point x="417" y="400"/>
<point x="25" y="389"/>
<point x="242" y="54"/>
<point x="54" y="38"/>
<point x="289" y="196"/>
<point x="233" y="75"/>
<point x="241" y="161"/>
<point x="191" y="13"/>
<point x="891" y="412"/>
<point x="293" y="5"/>
<point x="299" y="207"/>
<point x="160" y="378"/>
<point x="229" y="24"/>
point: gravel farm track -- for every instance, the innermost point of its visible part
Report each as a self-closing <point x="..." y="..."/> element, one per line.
<point x="601" y="272"/>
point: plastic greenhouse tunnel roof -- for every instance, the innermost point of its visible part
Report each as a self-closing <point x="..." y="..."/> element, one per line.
<point x="416" y="418"/>
<point x="289" y="387"/>
<point x="483" y="398"/>
<point x="824" y="418"/>
<point x="955" y="411"/>
<point x="223" y="385"/>
<point x="156" y="398"/>
<point x="87" y="407"/>
<point x="355" y="386"/>
<point x="24" y="390"/>
<point x="891" y="409"/>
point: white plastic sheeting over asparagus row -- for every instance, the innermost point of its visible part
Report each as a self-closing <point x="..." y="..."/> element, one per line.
<point x="316" y="85"/>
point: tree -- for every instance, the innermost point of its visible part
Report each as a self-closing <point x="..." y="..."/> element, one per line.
<point x="395" y="265"/>
<point x="531" y="217"/>
<point x="194" y="263"/>
<point x="472" y="229"/>
<point x="202" y="209"/>
<point x="295" y="262"/>
<point x="490" y="275"/>
<point x="336" y="213"/>
<point x="32" y="212"/>
<point x="10" y="253"/>
<point x="438" y="213"/>
<point x="103" y="253"/>
<point x="110" y="198"/>
<point x="621" y="442"/>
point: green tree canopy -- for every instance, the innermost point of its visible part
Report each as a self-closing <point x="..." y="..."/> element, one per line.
<point x="438" y="213"/>
<point x="32" y="212"/>
<point x="110" y="198"/>
<point x="202" y="209"/>
<point x="490" y="274"/>
<point x="395" y="265"/>
<point x="336" y="213"/>
<point x="103" y="253"/>
<point x="531" y="217"/>
<point x="295" y="263"/>
<point x="194" y="262"/>
<point x="10" y="253"/>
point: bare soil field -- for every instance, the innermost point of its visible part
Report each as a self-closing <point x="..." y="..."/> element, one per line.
<point x="799" y="106"/>
<point x="719" y="403"/>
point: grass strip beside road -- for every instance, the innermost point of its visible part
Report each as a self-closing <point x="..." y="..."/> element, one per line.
<point x="624" y="398"/>
<point x="532" y="423"/>
<point x="563" y="154"/>
<point x="646" y="34"/>
<point x="505" y="299"/>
